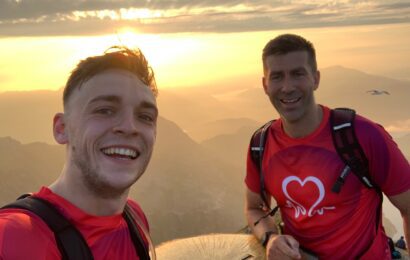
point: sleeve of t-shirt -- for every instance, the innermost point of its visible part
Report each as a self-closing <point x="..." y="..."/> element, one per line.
<point x="389" y="169"/>
<point x="24" y="235"/>
<point x="252" y="174"/>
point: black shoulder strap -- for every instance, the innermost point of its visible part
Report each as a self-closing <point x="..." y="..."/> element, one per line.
<point x="350" y="151"/>
<point x="139" y="243"/>
<point x="70" y="242"/>
<point x="348" y="147"/>
<point x="257" y="148"/>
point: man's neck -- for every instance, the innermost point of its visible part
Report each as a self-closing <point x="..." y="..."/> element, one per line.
<point x="306" y="125"/>
<point x="79" y="195"/>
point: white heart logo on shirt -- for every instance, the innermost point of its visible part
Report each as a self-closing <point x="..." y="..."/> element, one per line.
<point x="299" y="208"/>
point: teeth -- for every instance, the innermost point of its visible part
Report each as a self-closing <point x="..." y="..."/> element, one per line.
<point x="289" y="100"/>
<point x="120" y="151"/>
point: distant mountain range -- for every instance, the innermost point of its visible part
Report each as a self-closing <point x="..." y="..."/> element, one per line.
<point x="186" y="191"/>
<point x="339" y="87"/>
<point x="204" y="112"/>
<point x="194" y="184"/>
<point x="342" y="87"/>
<point x="25" y="168"/>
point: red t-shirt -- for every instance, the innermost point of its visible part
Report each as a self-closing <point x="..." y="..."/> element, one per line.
<point x="299" y="173"/>
<point x="23" y="235"/>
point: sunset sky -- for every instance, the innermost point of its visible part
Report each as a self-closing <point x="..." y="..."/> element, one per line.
<point x="196" y="43"/>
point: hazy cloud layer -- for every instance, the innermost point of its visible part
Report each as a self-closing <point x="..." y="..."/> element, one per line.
<point x="403" y="126"/>
<point x="76" y="17"/>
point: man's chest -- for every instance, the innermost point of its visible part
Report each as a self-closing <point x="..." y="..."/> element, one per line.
<point x="301" y="179"/>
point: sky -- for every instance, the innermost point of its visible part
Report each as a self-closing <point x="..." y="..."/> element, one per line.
<point x="196" y="43"/>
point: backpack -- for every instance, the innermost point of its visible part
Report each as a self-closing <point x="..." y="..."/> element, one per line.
<point x="70" y="242"/>
<point x="346" y="144"/>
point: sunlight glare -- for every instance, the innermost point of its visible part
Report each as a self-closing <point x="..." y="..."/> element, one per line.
<point x="201" y="59"/>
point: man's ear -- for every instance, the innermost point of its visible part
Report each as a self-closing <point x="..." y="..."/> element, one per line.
<point x="59" y="129"/>
<point x="317" y="79"/>
<point x="265" y="87"/>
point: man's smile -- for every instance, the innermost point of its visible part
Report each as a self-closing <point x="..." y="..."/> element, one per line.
<point x="121" y="152"/>
<point x="290" y="100"/>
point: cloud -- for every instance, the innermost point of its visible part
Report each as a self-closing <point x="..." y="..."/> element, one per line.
<point x="399" y="127"/>
<point x="78" y="17"/>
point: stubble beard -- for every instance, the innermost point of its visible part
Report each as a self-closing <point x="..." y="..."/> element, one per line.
<point x="93" y="181"/>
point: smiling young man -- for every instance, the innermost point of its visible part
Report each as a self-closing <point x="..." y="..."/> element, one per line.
<point x="300" y="166"/>
<point x="109" y="130"/>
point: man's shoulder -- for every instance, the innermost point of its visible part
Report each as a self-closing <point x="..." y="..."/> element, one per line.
<point x="134" y="205"/>
<point x="365" y="125"/>
<point x="364" y="121"/>
<point x="138" y="211"/>
<point x="21" y="224"/>
<point x="19" y="220"/>
<point x="367" y="128"/>
<point x="271" y="125"/>
<point x="23" y="235"/>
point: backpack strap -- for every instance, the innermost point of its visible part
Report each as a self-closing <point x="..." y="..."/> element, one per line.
<point x="140" y="246"/>
<point x="70" y="242"/>
<point x="258" y="142"/>
<point x="350" y="151"/>
<point x="348" y="148"/>
<point x="257" y="145"/>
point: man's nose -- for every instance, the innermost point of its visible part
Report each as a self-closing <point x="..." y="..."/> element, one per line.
<point x="126" y="124"/>
<point x="288" y="85"/>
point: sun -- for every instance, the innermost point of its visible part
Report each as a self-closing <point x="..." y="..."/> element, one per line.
<point x="167" y="54"/>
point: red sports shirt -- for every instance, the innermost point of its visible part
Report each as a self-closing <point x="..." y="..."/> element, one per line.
<point x="300" y="173"/>
<point x="23" y="235"/>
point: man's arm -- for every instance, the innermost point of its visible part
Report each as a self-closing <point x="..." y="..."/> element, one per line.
<point x="402" y="203"/>
<point x="278" y="246"/>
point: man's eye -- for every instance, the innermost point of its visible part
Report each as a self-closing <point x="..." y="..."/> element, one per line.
<point x="275" y="77"/>
<point x="105" y="111"/>
<point x="299" y="73"/>
<point x="146" y="117"/>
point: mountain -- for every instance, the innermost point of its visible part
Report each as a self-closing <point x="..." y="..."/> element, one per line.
<point x="339" y="87"/>
<point x="28" y="115"/>
<point x="186" y="190"/>
<point x="220" y="127"/>
<point x="244" y="101"/>
<point x="231" y="147"/>
<point x="343" y="87"/>
<point x="195" y="108"/>
<point x="25" y="168"/>
<point x="189" y="108"/>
